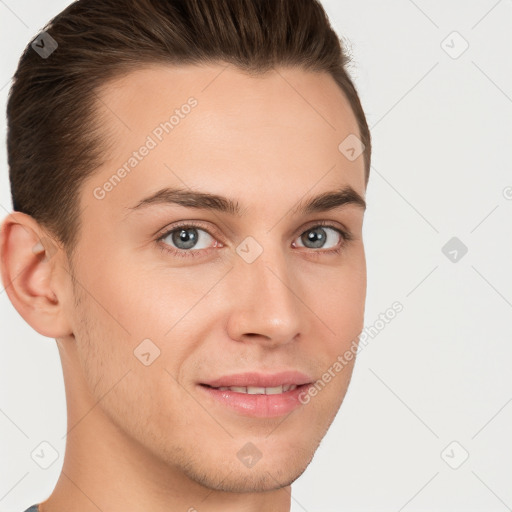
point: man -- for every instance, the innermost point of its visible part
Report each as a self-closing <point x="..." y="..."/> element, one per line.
<point x="188" y="183"/>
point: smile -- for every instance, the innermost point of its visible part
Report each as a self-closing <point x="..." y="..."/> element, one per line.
<point x="255" y="390"/>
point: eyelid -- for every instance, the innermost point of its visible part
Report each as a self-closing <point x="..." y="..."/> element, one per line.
<point x="344" y="231"/>
<point x="162" y="233"/>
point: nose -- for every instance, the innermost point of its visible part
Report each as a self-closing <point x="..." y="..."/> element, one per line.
<point x="267" y="307"/>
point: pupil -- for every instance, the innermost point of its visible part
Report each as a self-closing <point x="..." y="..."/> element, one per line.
<point x="185" y="238"/>
<point x="316" y="237"/>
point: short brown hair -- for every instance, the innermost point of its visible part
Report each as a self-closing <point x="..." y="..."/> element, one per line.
<point x="54" y="141"/>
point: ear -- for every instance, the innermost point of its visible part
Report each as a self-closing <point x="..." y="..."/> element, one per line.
<point x="32" y="267"/>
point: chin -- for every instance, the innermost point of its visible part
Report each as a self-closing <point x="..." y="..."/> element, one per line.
<point x="249" y="481"/>
<point x="267" y="474"/>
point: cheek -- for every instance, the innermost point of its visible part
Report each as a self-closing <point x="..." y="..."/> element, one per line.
<point x="340" y="302"/>
<point x="145" y="301"/>
<point x="115" y="369"/>
<point x="153" y="316"/>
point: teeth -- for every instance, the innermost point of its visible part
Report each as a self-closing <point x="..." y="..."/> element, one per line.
<point x="254" y="390"/>
<point x="274" y="391"/>
<point x="238" y="389"/>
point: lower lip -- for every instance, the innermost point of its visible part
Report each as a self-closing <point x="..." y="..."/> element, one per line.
<point x="260" y="406"/>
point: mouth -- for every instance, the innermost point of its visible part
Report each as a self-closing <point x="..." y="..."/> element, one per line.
<point x="258" y="395"/>
<point x="257" y="380"/>
<point x="257" y="390"/>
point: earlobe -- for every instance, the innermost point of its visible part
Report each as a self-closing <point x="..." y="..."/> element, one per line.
<point x="29" y="262"/>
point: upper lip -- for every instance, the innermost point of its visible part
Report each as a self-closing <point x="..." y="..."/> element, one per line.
<point x="263" y="380"/>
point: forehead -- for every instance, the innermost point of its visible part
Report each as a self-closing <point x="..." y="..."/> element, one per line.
<point x="215" y="128"/>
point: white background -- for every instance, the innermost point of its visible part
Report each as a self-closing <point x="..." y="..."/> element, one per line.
<point x="440" y="371"/>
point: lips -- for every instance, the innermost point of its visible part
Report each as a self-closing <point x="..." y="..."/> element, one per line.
<point x="260" y="395"/>
<point x="260" y="380"/>
<point x="255" y="390"/>
<point x="257" y="405"/>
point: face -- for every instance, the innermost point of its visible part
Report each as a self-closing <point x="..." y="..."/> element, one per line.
<point x="177" y="290"/>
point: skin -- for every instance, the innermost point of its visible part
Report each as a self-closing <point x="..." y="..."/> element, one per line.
<point x="146" y="437"/>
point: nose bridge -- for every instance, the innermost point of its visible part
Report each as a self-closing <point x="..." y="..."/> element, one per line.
<point x="267" y="304"/>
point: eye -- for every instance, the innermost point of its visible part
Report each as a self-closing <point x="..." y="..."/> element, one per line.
<point x="191" y="240"/>
<point x="323" y="237"/>
<point x="182" y="239"/>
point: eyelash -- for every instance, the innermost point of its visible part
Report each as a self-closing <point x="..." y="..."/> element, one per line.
<point x="182" y="253"/>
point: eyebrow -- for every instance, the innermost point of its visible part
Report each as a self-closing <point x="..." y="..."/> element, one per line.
<point x="206" y="201"/>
